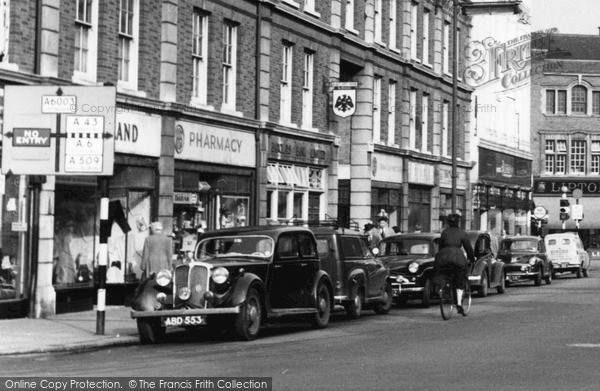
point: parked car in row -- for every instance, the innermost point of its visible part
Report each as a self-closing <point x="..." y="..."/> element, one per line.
<point x="359" y="280"/>
<point x="566" y="252"/>
<point x="410" y="259"/>
<point x="525" y="259"/>
<point x="239" y="278"/>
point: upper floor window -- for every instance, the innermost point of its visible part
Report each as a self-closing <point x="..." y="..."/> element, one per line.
<point x="413" y="31"/>
<point x="392" y="113"/>
<point x="128" y="30"/>
<point x="555" y="156"/>
<point x="577" y="158"/>
<point x="85" y="46"/>
<point x="199" y="56"/>
<point x="579" y="100"/>
<point x="393" y="23"/>
<point x="445" y="132"/>
<point x="425" y="45"/>
<point x="229" y="66"/>
<point x="285" y="115"/>
<point x="596" y="102"/>
<point x="412" y="128"/>
<point x="307" y="91"/>
<point x="595" y="161"/>
<point x="446" y="47"/>
<point x="377" y="20"/>
<point x="425" y="122"/>
<point x="349" y="22"/>
<point x="556" y="101"/>
<point x="376" y="109"/>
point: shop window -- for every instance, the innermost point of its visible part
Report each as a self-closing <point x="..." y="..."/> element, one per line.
<point x="419" y="208"/>
<point x="387" y="200"/>
<point x="233" y="211"/>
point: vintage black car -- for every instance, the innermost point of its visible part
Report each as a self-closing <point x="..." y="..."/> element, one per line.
<point x="239" y="278"/>
<point x="410" y="260"/>
<point x="488" y="271"/>
<point x="525" y="259"/>
<point x="359" y="280"/>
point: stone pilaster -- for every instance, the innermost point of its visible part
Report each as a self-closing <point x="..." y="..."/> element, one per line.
<point x="168" y="51"/>
<point x="45" y="296"/>
<point x="50" y="25"/>
<point x="166" y="174"/>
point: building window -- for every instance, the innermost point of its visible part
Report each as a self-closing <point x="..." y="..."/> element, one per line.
<point x="413" y="31"/>
<point x="556" y="101"/>
<point x="579" y="100"/>
<point x="229" y="66"/>
<point x="391" y="113"/>
<point x="376" y="109"/>
<point x="307" y="91"/>
<point x="349" y="23"/>
<point x="577" y="157"/>
<point x="596" y="102"/>
<point x="550" y="101"/>
<point x="285" y="115"/>
<point x="445" y="138"/>
<point x="293" y="192"/>
<point x="393" y="24"/>
<point x="458" y="54"/>
<point x="426" y="36"/>
<point x="446" y="47"/>
<point x="595" y="168"/>
<point x="425" y="122"/>
<point x="412" y="131"/>
<point x="377" y="20"/>
<point x="199" y="56"/>
<point x="127" y="43"/>
<point x="555" y="156"/>
<point x="309" y="5"/>
<point x="83" y="23"/>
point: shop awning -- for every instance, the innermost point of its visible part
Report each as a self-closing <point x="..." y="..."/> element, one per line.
<point x="591" y="211"/>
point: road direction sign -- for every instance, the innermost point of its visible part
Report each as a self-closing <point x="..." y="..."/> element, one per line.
<point x="52" y="130"/>
<point x="540" y="212"/>
<point x="577" y="211"/>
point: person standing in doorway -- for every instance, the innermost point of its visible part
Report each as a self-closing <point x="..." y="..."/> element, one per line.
<point x="157" y="252"/>
<point x="384" y="228"/>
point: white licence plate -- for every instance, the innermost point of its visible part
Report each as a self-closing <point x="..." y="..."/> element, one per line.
<point x="180" y="321"/>
<point x="395" y="292"/>
<point x="514" y="278"/>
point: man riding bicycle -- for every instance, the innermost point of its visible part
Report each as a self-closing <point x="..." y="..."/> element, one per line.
<point x="450" y="259"/>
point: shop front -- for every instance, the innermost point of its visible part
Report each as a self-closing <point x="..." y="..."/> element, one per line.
<point x="445" y="186"/>
<point x="548" y="193"/>
<point x="215" y="176"/>
<point x="76" y="219"/>
<point x="386" y="187"/>
<point x="421" y="182"/>
<point x="502" y="194"/>
<point x="297" y="173"/>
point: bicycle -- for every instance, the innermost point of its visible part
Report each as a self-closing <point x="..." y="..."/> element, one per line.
<point x="448" y="298"/>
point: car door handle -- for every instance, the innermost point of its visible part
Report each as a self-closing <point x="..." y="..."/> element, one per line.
<point x="303" y="264"/>
<point x="277" y="266"/>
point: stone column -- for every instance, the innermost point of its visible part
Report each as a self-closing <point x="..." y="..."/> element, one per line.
<point x="45" y="296"/>
<point x="168" y="51"/>
<point x="166" y="174"/>
<point x="50" y="24"/>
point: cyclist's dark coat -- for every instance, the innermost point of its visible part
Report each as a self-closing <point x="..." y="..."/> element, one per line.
<point x="450" y="255"/>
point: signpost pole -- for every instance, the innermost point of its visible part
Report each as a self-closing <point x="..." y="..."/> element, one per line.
<point x="102" y="255"/>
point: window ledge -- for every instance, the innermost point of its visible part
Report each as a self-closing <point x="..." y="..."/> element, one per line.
<point x="229" y="111"/>
<point x="126" y="89"/>
<point x="351" y="30"/>
<point x="395" y="49"/>
<point x="9" y="66"/>
<point x="198" y="105"/>
<point x="312" y="13"/>
<point x="83" y="78"/>
<point x="292" y="3"/>
<point x="381" y="43"/>
<point x="428" y="65"/>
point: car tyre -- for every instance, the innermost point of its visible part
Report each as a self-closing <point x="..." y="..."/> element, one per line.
<point x="151" y="331"/>
<point x="483" y="289"/>
<point x="354" y="308"/>
<point x="323" y="305"/>
<point x="537" y="280"/>
<point x="585" y="272"/>
<point x="502" y="287"/>
<point x="426" y="296"/>
<point x="548" y="278"/>
<point x="578" y="272"/>
<point x="384" y="307"/>
<point x="248" y="321"/>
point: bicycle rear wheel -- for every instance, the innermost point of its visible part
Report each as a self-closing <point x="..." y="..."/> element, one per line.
<point x="447" y="300"/>
<point x="467" y="300"/>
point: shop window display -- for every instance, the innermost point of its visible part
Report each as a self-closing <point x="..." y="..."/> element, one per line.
<point x="188" y="223"/>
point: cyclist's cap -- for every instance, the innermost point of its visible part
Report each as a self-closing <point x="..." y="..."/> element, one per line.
<point x="453" y="219"/>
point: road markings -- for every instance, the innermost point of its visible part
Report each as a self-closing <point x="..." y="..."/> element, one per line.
<point x="584" y="345"/>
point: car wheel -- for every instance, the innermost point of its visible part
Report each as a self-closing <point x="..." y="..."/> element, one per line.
<point x="426" y="297"/>
<point x="537" y="280"/>
<point x="384" y="307"/>
<point x="483" y="289"/>
<point x="502" y="287"/>
<point x="248" y="321"/>
<point x="321" y="318"/>
<point x="354" y="308"/>
<point x="578" y="273"/>
<point x="548" y="278"/>
<point x="151" y="331"/>
<point x="585" y="272"/>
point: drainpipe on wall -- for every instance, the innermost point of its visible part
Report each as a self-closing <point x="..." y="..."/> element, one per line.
<point x="38" y="37"/>
<point x="257" y="114"/>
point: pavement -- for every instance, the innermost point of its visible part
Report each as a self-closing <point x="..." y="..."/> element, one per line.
<point x="75" y="331"/>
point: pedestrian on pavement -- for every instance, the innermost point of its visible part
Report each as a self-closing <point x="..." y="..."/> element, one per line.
<point x="384" y="228"/>
<point x="373" y="235"/>
<point x="157" y="252"/>
<point x="418" y="228"/>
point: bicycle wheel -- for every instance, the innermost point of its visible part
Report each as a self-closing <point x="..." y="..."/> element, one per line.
<point x="447" y="300"/>
<point x="467" y="300"/>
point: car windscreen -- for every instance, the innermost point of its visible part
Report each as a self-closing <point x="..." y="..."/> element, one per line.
<point x="251" y="246"/>
<point x="519" y="245"/>
<point x="405" y="247"/>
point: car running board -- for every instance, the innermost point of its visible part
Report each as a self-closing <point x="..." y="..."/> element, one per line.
<point x="280" y="312"/>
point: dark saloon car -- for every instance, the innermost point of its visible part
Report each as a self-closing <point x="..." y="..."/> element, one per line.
<point x="239" y="278"/>
<point x="525" y="259"/>
<point x="359" y="280"/>
<point x="410" y="260"/>
<point x="488" y="271"/>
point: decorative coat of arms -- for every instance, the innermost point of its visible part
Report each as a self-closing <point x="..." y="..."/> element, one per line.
<point x="344" y="102"/>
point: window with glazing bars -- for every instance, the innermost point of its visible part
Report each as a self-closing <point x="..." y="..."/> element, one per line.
<point x="595" y="158"/>
<point x="83" y="23"/>
<point x="577" y="158"/>
<point x="579" y="100"/>
<point x="125" y="38"/>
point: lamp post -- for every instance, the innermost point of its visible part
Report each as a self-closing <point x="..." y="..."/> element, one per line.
<point x="454" y="98"/>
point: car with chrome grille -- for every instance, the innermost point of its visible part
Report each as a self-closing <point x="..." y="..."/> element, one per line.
<point x="359" y="279"/>
<point x="525" y="259"/>
<point x="239" y="279"/>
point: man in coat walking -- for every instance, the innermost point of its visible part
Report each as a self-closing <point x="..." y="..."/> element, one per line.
<point x="157" y="252"/>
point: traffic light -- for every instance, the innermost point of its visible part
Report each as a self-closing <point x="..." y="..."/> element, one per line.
<point x="564" y="209"/>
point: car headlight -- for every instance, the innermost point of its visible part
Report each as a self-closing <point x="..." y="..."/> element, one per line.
<point x="532" y="261"/>
<point x="220" y="275"/>
<point x="163" y="277"/>
<point x="413" y="267"/>
<point x="525" y="268"/>
<point x="184" y="293"/>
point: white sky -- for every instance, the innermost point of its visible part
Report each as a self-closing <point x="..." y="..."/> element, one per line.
<point x="569" y="16"/>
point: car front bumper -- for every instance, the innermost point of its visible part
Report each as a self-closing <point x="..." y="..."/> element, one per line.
<point x="185" y="312"/>
<point x="517" y="276"/>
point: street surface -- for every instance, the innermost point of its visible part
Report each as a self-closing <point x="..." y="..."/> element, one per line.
<point x="531" y="338"/>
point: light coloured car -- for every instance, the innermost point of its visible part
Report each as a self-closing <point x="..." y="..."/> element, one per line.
<point x="565" y="251"/>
